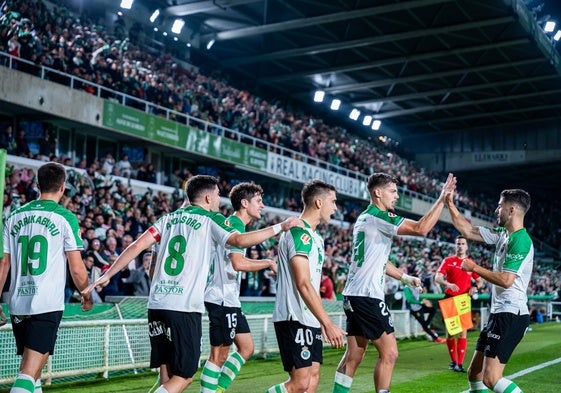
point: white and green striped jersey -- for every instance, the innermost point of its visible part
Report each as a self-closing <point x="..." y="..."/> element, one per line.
<point x="372" y="242"/>
<point x="224" y="282"/>
<point x="289" y="305"/>
<point x="514" y="253"/>
<point x="37" y="236"/>
<point x="189" y="240"/>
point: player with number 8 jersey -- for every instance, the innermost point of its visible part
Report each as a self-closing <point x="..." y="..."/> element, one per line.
<point x="189" y="240"/>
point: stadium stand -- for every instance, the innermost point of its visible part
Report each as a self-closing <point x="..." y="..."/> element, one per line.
<point x="126" y="198"/>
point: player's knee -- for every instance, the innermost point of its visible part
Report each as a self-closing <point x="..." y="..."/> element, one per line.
<point x="390" y="356"/>
<point x="490" y="379"/>
<point x="247" y="352"/>
<point x="301" y="385"/>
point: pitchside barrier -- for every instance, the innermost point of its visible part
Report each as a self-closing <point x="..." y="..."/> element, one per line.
<point x="113" y="337"/>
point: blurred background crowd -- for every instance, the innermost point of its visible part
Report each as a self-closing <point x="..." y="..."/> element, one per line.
<point x="112" y="215"/>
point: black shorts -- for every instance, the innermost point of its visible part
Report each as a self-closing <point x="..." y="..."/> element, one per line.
<point x="37" y="332"/>
<point x="299" y="345"/>
<point x="367" y="317"/>
<point x="502" y="334"/>
<point x="175" y="338"/>
<point x="225" y="323"/>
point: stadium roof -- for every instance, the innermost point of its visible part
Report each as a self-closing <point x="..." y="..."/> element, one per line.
<point x="422" y="67"/>
<point x="418" y="65"/>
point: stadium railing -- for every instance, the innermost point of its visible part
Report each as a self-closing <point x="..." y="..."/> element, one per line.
<point x="72" y="81"/>
<point x="115" y="339"/>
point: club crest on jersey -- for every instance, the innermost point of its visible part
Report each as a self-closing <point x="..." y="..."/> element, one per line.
<point x="233" y="334"/>
<point x="305" y="354"/>
<point x="392" y="215"/>
<point x="305" y="238"/>
<point x="227" y="223"/>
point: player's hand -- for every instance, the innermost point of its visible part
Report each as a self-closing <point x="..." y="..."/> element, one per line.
<point x="473" y="291"/>
<point x="449" y="198"/>
<point x="100" y="282"/>
<point x="468" y="265"/>
<point x="333" y="334"/>
<point x="292" y="222"/>
<point x="3" y="318"/>
<point x="273" y="266"/>
<point x="448" y="187"/>
<point x="410" y="281"/>
<point x="453" y="287"/>
<point x="87" y="302"/>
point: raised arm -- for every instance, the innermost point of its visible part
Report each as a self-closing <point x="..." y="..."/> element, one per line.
<point x="460" y="223"/>
<point x="249" y="239"/>
<point x="429" y="220"/>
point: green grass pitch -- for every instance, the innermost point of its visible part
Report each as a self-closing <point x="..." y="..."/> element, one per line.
<point x="422" y="367"/>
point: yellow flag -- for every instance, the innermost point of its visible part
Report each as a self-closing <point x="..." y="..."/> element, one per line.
<point x="456" y="312"/>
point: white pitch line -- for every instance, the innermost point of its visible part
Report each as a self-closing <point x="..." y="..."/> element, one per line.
<point x="529" y="370"/>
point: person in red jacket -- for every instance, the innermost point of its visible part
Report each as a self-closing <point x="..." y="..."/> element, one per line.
<point x="457" y="282"/>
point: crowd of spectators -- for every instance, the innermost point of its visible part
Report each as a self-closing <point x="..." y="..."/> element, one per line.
<point x="55" y="38"/>
<point x="76" y="45"/>
<point x="111" y="216"/>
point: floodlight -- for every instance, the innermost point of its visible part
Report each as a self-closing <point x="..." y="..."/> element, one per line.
<point x="557" y="35"/>
<point x="319" y="95"/>
<point x="376" y="124"/>
<point x="367" y="120"/>
<point x="126" y="4"/>
<point x="210" y="44"/>
<point x="154" y="16"/>
<point x="335" y="104"/>
<point x="549" y="26"/>
<point x="355" y="113"/>
<point x="177" y="26"/>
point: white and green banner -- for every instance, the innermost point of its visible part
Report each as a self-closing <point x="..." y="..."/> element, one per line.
<point x="299" y="171"/>
<point x="144" y="125"/>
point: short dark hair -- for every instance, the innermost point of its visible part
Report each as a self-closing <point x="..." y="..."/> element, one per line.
<point x="198" y="185"/>
<point x="50" y="177"/>
<point x="315" y="188"/>
<point x="379" y="179"/>
<point x="245" y="190"/>
<point x="518" y="197"/>
<point x="462" y="237"/>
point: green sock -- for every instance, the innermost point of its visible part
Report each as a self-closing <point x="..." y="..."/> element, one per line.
<point x="342" y="383"/>
<point x="23" y="384"/>
<point x="209" y="377"/>
<point x="230" y="370"/>
<point x="506" y="386"/>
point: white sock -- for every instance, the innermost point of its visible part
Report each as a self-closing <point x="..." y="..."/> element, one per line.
<point x="38" y="387"/>
<point x="209" y="377"/>
<point x="161" y="389"/>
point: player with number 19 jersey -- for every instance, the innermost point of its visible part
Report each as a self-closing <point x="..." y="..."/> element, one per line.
<point x="37" y="237"/>
<point x="372" y="242"/>
<point x="305" y="242"/>
<point x="180" y="276"/>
